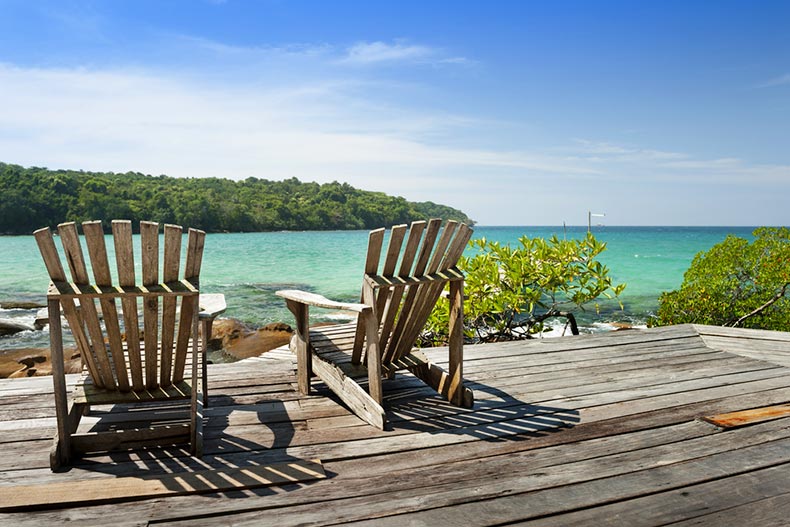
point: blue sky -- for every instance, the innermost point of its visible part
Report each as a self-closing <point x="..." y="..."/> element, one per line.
<point x="519" y="113"/>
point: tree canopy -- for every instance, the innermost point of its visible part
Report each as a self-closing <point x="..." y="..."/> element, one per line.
<point x="37" y="197"/>
<point x="735" y="283"/>
<point x="510" y="291"/>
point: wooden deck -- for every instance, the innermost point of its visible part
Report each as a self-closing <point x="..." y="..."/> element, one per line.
<point x="586" y="430"/>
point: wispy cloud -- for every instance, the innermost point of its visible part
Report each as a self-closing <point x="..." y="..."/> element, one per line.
<point x="222" y="48"/>
<point x="366" y="53"/>
<point x="777" y="81"/>
<point x="623" y="152"/>
<point x="372" y="52"/>
<point x="359" y="54"/>
<point x="628" y="161"/>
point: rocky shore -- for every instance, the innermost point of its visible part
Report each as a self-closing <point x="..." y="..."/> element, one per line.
<point x="231" y="339"/>
<point x="240" y="341"/>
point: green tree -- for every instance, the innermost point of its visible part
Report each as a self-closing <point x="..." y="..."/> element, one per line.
<point x="735" y="283"/>
<point x="510" y="291"/>
<point x="35" y="197"/>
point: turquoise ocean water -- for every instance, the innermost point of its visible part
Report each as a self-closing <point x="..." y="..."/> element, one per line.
<point x="249" y="267"/>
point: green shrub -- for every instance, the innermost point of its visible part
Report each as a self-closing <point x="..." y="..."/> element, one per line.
<point x="511" y="291"/>
<point x="735" y="283"/>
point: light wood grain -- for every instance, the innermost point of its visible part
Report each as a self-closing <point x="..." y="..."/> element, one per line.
<point x="94" y="239"/>
<point x="124" y="258"/>
<point x="99" y="491"/>
<point x="149" y="248"/>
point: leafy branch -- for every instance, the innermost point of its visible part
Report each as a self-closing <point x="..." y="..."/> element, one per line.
<point x="511" y="291"/>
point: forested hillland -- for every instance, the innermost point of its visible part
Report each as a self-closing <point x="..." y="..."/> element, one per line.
<point x="37" y="197"/>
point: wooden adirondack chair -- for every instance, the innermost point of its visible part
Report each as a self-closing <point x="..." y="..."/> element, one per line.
<point x="146" y="363"/>
<point x="397" y="299"/>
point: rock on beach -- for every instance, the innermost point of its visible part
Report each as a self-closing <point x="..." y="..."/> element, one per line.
<point x="34" y="362"/>
<point x="10" y="327"/>
<point x="241" y="341"/>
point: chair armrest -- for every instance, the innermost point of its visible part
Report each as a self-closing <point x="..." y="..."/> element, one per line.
<point x="312" y="299"/>
<point x="211" y="305"/>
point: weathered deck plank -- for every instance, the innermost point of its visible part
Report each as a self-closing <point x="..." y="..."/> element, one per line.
<point x="564" y="431"/>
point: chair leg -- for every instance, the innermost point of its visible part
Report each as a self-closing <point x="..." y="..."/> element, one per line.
<point x="456" y="391"/>
<point x="300" y="343"/>
<point x="373" y="355"/>
<point x="358" y="400"/>
<point x="58" y="455"/>
<point x="196" y="402"/>
<point x="451" y="388"/>
<point x="204" y="356"/>
<point x="61" y="452"/>
<point x="196" y="429"/>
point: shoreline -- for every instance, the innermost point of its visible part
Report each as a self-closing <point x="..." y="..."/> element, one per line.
<point x="231" y="341"/>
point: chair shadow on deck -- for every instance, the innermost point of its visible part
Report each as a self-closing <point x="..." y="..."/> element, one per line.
<point x="234" y="465"/>
<point x="496" y="416"/>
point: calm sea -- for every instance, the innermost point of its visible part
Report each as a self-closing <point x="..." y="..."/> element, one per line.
<point x="249" y="267"/>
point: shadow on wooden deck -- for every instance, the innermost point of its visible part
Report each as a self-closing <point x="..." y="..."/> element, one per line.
<point x="496" y="417"/>
<point x="225" y="472"/>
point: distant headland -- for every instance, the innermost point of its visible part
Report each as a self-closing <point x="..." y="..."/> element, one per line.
<point x="34" y="197"/>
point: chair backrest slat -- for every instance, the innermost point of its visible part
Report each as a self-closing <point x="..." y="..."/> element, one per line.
<point x="397" y="234"/>
<point x="46" y="246"/>
<point x="94" y="239"/>
<point x="426" y="248"/>
<point x="49" y="252"/>
<point x="195" y="242"/>
<point x="195" y="245"/>
<point x="79" y="274"/>
<point x="124" y="259"/>
<point x="407" y="261"/>
<point x="375" y="242"/>
<point x="172" y="259"/>
<point x="112" y="365"/>
<point x="149" y="247"/>
<point x="424" y="300"/>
